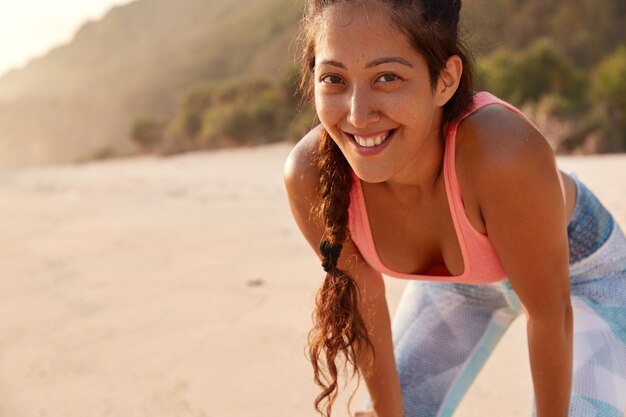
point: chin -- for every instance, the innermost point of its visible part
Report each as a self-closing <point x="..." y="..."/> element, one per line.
<point x="369" y="176"/>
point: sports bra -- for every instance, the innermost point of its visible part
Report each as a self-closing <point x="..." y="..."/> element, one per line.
<point x="481" y="262"/>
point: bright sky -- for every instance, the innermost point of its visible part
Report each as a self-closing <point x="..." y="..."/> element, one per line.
<point x="29" y="28"/>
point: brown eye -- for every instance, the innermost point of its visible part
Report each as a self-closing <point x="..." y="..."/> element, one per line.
<point x="388" y="77"/>
<point x="331" y="79"/>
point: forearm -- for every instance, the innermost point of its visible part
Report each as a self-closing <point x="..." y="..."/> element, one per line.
<point x="550" y="349"/>
<point x="381" y="375"/>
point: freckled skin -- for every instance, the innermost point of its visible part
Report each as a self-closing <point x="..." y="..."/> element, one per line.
<point x="352" y="97"/>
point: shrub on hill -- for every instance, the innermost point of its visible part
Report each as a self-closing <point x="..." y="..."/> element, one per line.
<point x="532" y="73"/>
<point x="234" y="113"/>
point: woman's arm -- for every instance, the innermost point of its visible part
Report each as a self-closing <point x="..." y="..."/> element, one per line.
<point x="381" y="376"/>
<point x="524" y="213"/>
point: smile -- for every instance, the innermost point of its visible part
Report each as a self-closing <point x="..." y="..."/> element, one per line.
<point x="371" y="141"/>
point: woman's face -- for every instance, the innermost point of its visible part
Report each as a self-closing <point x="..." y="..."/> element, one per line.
<point x="373" y="93"/>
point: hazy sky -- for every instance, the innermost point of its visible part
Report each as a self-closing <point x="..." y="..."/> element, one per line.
<point x="29" y="28"/>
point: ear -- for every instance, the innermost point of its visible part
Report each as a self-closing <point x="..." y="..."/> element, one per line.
<point x="448" y="80"/>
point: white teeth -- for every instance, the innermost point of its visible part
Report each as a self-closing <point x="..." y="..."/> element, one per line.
<point x="368" y="143"/>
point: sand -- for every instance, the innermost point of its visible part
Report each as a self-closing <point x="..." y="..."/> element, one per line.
<point x="182" y="287"/>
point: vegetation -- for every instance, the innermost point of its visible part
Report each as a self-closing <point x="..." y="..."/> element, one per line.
<point x="584" y="30"/>
<point x="609" y="86"/>
<point x="532" y="60"/>
<point x="138" y="62"/>
<point x="176" y="75"/>
<point x="559" y="61"/>
<point x="540" y="77"/>
<point x="233" y="113"/>
<point x="532" y="73"/>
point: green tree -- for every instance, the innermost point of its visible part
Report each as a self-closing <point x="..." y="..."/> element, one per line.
<point x="540" y="70"/>
<point x="543" y="69"/>
<point x="609" y="83"/>
<point x="496" y="74"/>
<point x="609" y="94"/>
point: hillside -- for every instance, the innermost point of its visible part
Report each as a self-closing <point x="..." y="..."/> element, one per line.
<point x="586" y="30"/>
<point x="142" y="59"/>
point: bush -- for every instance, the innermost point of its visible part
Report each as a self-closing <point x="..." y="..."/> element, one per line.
<point x="147" y="133"/>
<point x="539" y="70"/>
<point x="609" y="84"/>
<point x="495" y="73"/>
<point x="236" y="112"/>
<point x="543" y="68"/>
<point x="608" y="92"/>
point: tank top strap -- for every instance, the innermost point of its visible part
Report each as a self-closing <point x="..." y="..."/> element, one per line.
<point x="480" y="100"/>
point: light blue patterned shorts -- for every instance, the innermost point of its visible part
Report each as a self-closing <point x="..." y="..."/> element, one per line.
<point x="443" y="333"/>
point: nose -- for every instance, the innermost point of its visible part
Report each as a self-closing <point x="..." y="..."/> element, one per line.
<point x="362" y="109"/>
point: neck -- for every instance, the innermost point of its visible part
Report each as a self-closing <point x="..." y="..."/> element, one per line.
<point x="420" y="178"/>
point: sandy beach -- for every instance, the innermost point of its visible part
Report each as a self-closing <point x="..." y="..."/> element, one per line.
<point x="182" y="287"/>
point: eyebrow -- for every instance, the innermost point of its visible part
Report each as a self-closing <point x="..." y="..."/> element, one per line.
<point x="387" y="60"/>
<point x="380" y="61"/>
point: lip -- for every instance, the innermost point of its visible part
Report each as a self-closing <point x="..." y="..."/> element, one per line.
<point x="374" y="150"/>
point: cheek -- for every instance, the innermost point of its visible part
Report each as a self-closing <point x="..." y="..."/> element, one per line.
<point x="328" y="108"/>
<point x="407" y="108"/>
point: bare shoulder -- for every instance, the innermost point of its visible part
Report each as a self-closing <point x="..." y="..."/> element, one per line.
<point x="300" y="170"/>
<point x="496" y="144"/>
<point x="301" y="179"/>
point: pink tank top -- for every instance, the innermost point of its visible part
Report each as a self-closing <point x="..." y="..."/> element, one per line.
<point x="481" y="262"/>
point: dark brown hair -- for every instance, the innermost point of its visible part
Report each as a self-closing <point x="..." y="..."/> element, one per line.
<point x="339" y="335"/>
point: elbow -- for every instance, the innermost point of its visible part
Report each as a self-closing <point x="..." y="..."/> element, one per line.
<point x="557" y="318"/>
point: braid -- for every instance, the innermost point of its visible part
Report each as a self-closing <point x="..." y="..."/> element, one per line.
<point x="338" y="331"/>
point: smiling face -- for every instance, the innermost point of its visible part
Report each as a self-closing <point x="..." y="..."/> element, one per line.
<point x="373" y="93"/>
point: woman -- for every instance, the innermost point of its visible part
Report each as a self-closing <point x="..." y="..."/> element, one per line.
<point x="413" y="175"/>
